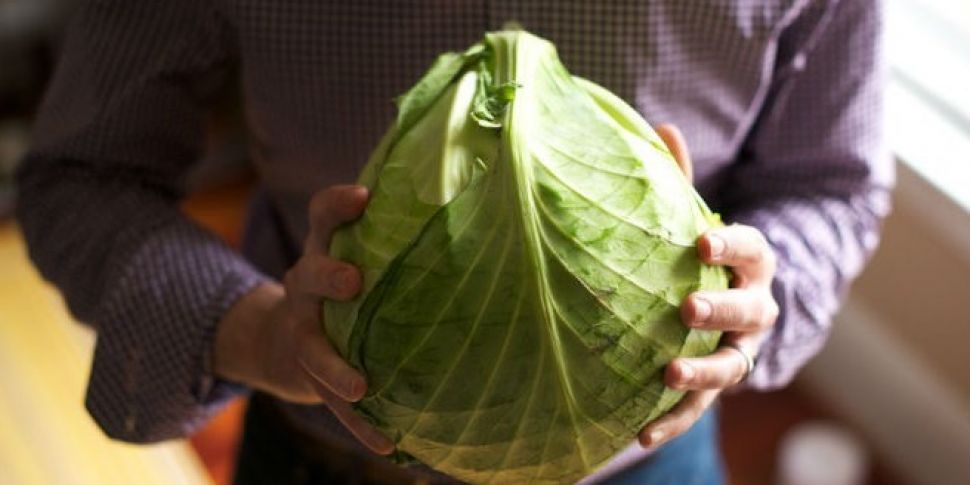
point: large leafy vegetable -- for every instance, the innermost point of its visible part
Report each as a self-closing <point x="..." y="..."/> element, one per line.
<point x="525" y="251"/>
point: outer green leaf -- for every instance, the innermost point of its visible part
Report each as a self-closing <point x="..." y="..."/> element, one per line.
<point x="523" y="274"/>
<point x="446" y="69"/>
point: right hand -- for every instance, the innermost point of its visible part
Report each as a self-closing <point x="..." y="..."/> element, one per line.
<point x="272" y="339"/>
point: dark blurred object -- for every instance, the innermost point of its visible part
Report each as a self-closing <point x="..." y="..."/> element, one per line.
<point x="29" y="33"/>
<point x="273" y="444"/>
<point x="754" y="427"/>
<point x="13" y="143"/>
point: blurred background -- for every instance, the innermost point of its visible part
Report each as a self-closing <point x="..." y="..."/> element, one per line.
<point x="887" y="401"/>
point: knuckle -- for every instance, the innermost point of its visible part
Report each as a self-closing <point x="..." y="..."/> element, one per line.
<point x="717" y="380"/>
<point x="771" y="311"/>
<point x="320" y="205"/>
<point x="691" y="414"/>
<point x="321" y="272"/>
<point x="675" y="423"/>
<point x="730" y="251"/>
<point x="759" y="238"/>
<point x="708" y="376"/>
<point x="753" y="235"/>
<point x="757" y="310"/>
<point x="755" y="255"/>
<point x="738" y="375"/>
<point x="770" y="260"/>
<point x="729" y="312"/>
<point x="756" y="248"/>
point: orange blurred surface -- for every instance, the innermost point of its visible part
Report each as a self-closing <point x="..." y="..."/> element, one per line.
<point x="222" y="210"/>
<point x="216" y="443"/>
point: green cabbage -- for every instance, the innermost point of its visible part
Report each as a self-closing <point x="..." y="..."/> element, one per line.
<point x="526" y="248"/>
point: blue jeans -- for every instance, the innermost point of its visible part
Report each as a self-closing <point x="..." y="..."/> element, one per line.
<point x="693" y="458"/>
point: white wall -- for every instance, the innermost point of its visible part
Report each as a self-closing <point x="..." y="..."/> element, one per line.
<point x="898" y="363"/>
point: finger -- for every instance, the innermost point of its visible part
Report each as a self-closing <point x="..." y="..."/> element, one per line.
<point x="674" y="139"/>
<point x="723" y="368"/>
<point x="735" y="309"/>
<point x="360" y="428"/>
<point x="319" y="275"/>
<point x="678" y="420"/>
<point x="331" y="207"/>
<point x="741" y="247"/>
<point x="747" y="340"/>
<point x="324" y="366"/>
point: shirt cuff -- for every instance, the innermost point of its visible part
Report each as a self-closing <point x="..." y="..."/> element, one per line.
<point x="152" y="376"/>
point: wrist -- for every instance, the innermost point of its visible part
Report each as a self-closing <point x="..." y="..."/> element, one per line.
<point x="241" y="335"/>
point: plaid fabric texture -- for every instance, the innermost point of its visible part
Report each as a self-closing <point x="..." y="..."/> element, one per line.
<point x="780" y="102"/>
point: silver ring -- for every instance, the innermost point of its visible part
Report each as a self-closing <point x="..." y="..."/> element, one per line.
<point x="748" y="360"/>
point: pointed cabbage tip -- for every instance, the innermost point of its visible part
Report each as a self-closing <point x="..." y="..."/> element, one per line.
<point x="511" y="32"/>
<point x="414" y="103"/>
<point x="448" y="67"/>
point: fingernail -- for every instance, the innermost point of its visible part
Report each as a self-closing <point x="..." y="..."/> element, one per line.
<point x="687" y="372"/>
<point x="702" y="311"/>
<point x="384" y="447"/>
<point x="716" y="244"/>
<point x="341" y="280"/>
<point x="355" y="388"/>
<point x="656" y="436"/>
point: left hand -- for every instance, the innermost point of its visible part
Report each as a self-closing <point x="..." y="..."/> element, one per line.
<point x="745" y="313"/>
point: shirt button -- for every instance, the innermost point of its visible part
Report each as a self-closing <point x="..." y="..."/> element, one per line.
<point x="798" y="62"/>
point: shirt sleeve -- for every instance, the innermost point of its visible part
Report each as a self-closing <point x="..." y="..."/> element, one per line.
<point x="98" y="204"/>
<point x="814" y="174"/>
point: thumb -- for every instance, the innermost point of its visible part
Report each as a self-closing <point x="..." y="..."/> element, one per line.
<point x="675" y="142"/>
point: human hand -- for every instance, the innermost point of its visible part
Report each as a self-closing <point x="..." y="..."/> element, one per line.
<point x="272" y="340"/>
<point x="745" y="313"/>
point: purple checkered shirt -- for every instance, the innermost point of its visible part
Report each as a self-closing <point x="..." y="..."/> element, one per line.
<point x="780" y="102"/>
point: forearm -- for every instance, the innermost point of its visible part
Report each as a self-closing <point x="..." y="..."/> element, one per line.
<point x="814" y="174"/>
<point x="153" y="284"/>
<point x="120" y="127"/>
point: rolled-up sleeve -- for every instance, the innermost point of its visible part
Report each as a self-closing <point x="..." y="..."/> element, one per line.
<point x="814" y="174"/>
<point x="99" y="191"/>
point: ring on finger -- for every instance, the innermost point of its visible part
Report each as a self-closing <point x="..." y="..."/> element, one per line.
<point x="745" y="356"/>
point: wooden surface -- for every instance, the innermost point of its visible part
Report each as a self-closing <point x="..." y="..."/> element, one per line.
<point x="46" y="435"/>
